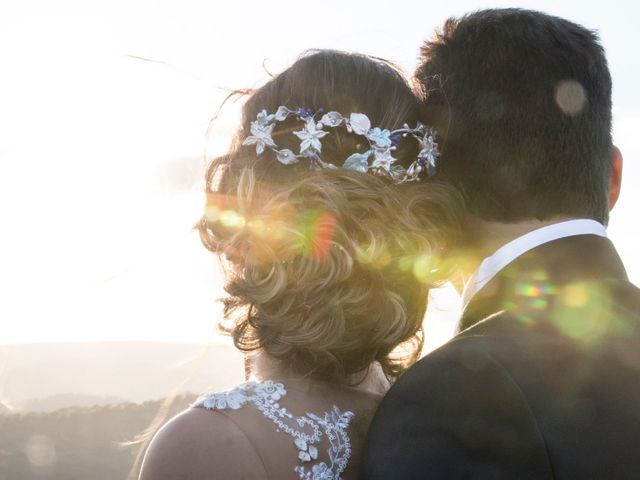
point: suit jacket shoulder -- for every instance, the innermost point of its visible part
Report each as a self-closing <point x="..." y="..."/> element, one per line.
<point x="458" y="413"/>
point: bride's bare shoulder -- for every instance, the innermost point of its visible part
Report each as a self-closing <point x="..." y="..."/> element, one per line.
<point x="198" y="444"/>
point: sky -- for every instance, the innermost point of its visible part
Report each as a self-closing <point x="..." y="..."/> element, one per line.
<point x="103" y="112"/>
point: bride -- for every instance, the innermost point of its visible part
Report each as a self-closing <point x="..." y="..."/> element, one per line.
<point x="331" y="233"/>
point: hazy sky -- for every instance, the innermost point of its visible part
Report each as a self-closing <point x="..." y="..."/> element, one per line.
<point x="100" y="150"/>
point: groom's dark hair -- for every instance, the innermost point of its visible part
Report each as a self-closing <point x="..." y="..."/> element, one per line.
<point x="522" y="101"/>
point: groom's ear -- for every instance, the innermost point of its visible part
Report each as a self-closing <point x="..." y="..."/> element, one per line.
<point x="615" y="177"/>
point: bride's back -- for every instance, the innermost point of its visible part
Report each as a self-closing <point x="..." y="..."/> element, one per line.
<point x="313" y="430"/>
<point x="328" y="269"/>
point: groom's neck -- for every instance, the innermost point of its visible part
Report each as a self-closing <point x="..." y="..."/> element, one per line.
<point x="489" y="236"/>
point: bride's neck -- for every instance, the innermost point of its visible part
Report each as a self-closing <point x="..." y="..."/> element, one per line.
<point x="260" y="366"/>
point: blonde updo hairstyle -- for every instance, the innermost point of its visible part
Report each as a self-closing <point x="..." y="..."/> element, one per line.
<point x="328" y="271"/>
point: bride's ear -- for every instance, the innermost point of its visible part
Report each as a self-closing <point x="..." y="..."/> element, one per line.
<point x="615" y="177"/>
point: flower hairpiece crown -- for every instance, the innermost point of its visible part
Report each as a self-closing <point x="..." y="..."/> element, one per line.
<point x="382" y="142"/>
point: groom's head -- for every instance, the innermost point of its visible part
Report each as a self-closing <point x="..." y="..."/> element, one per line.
<point x="522" y="101"/>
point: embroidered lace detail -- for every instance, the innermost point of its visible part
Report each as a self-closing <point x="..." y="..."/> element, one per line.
<point x="306" y="430"/>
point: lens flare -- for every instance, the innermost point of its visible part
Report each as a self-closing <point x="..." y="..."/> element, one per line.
<point x="405" y="264"/>
<point x="422" y="268"/>
<point x="570" y="97"/>
<point x="575" y="295"/>
<point x="528" y="290"/>
<point x="319" y="231"/>
<point x="312" y="233"/>
<point x="211" y="213"/>
<point x="40" y="451"/>
<point x="231" y="219"/>
<point x="583" y="312"/>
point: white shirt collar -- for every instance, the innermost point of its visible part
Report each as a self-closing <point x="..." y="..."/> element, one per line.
<point x="506" y="254"/>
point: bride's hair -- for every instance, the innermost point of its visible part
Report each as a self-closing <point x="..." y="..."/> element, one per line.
<point x="328" y="270"/>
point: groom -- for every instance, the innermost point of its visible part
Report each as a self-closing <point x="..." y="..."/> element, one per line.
<point x="543" y="382"/>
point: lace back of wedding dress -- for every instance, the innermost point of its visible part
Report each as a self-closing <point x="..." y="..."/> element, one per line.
<point x="321" y="440"/>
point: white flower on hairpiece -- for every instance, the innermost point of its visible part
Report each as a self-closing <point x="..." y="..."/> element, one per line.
<point x="382" y="159"/>
<point x="260" y="136"/>
<point x="311" y="136"/>
<point x="428" y="155"/>
<point x="381" y="138"/>
<point x="359" y="123"/>
<point x="358" y="162"/>
<point x="286" y="157"/>
<point x="264" y="118"/>
<point x="429" y="152"/>
<point x="282" y="113"/>
<point x="332" y="119"/>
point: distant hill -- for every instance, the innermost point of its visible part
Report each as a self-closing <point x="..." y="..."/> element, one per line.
<point x="77" y="443"/>
<point x="4" y="409"/>
<point x="64" y="400"/>
<point x="80" y="373"/>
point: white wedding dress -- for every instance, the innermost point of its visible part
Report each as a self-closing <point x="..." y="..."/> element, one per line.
<point x="295" y="428"/>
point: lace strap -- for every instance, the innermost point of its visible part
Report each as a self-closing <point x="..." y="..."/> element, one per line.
<point x="306" y="430"/>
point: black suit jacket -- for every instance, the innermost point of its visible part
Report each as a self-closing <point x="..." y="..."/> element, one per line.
<point x="542" y="383"/>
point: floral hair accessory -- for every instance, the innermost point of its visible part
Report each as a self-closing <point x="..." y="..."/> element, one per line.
<point x="377" y="159"/>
